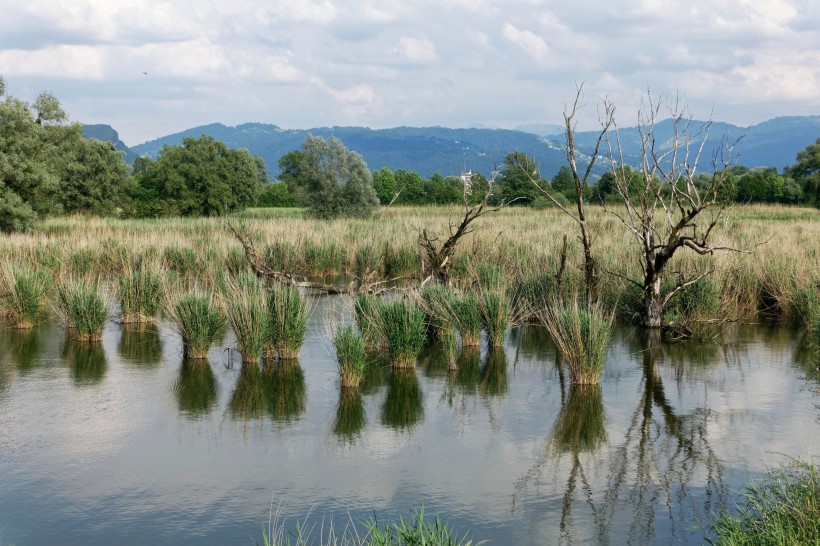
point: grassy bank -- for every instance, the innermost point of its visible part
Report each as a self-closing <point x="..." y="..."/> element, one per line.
<point x="781" y="509"/>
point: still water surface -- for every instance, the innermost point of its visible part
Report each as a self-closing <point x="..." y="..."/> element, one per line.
<point x="125" y="443"/>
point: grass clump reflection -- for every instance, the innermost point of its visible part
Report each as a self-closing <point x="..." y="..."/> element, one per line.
<point x="783" y="508"/>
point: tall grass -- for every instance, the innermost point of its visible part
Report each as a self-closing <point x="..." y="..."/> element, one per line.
<point x="404" y="330"/>
<point x="140" y="293"/>
<point x="199" y="321"/>
<point x="367" y="310"/>
<point x="287" y="320"/>
<point x="582" y="333"/>
<point x="418" y="530"/>
<point x="247" y="312"/>
<point x="782" y="509"/>
<point x="83" y="308"/>
<point x="467" y="314"/>
<point x="495" y="315"/>
<point x="350" y="355"/>
<point x="26" y="294"/>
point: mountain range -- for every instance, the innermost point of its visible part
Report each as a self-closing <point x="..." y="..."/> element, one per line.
<point x="427" y="150"/>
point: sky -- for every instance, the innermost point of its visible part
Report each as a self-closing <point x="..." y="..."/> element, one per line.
<point x="151" y="68"/>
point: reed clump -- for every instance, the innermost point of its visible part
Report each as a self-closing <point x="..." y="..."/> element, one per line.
<point x="199" y="321"/>
<point x="27" y="290"/>
<point x="140" y="292"/>
<point x="405" y="332"/>
<point x="582" y="333"/>
<point x="467" y="315"/>
<point x="495" y="315"/>
<point x="287" y="320"/>
<point x="367" y="310"/>
<point x="782" y="508"/>
<point x="83" y="308"/>
<point x="350" y="355"/>
<point x="247" y="312"/>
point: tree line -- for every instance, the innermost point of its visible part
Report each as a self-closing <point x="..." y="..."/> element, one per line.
<point x="47" y="168"/>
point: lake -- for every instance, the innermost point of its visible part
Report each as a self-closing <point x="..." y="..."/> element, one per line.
<point x="123" y="442"/>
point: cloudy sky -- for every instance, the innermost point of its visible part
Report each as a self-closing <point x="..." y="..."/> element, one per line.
<point x="150" y="68"/>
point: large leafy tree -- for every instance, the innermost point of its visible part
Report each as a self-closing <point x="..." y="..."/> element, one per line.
<point x="807" y="172"/>
<point x="337" y="181"/>
<point x="28" y="182"/>
<point x="93" y="175"/>
<point x="203" y="177"/>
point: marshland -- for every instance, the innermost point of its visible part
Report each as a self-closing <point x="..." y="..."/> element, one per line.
<point x="146" y="370"/>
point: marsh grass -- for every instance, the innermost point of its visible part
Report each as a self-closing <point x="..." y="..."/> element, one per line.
<point x="436" y="301"/>
<point x="83" y="307"/>
<point x="287" y="320"/>
<point x="418" y="530"/>
<point x="199" y="321"/>
<point x="247" y="311"/>
<point x="140" y="293"/>
<point x="468" y="316"/>
<point x="367" y="311"/>
<point x="781" y="509"/>
<point x="404" y="330"/>
<point x="27" y="290"/>
<point x="582" y="333"/>
<point x="496" y="310"/>
<point x="350" y="355"/>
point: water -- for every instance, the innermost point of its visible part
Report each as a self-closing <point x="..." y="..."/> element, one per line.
<point x="125" y="443"/>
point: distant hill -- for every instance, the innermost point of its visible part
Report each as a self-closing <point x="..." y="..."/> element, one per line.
<point x="106" y="133"/>
<point x="427" y="150"/>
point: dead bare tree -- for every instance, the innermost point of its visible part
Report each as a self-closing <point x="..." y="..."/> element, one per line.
<point x="581" y="184"/>
<point x="437" y="250"/>
<point x="669" y="211"/>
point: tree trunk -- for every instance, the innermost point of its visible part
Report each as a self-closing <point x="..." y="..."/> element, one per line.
<point x="652" y="302"/>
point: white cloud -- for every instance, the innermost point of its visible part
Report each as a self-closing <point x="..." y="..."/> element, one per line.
<point x="531" y="43"/>
<point x="418" y="50"/>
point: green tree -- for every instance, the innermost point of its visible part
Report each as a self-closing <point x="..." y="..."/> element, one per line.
<point x="807" y="173"/>
<point x="203" y="177"/>
<point x="93" y="175"/>
<point x="440" y="191"/>
<point x="384" y="182"/>
<point x="411" y="186"/>
<point x="28" y="182"/>
<point x="516" y="178"/>
<point x="292" y="167"/>
<point x="564" y="183"/>
<point x="337" y="181"/>
<point x="276" y="194"/>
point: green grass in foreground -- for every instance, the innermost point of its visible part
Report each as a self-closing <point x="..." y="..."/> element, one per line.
<point x="418" y="530"/>
<point x="782" y="509"/>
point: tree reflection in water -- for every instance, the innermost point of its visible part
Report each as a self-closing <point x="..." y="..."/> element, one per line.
<point x="87" y="361"/>
<point x="662" y="457"/>
<point x="195" y="389"/>
<point x="404" y="405"/>
<point x="140" y="344"/>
